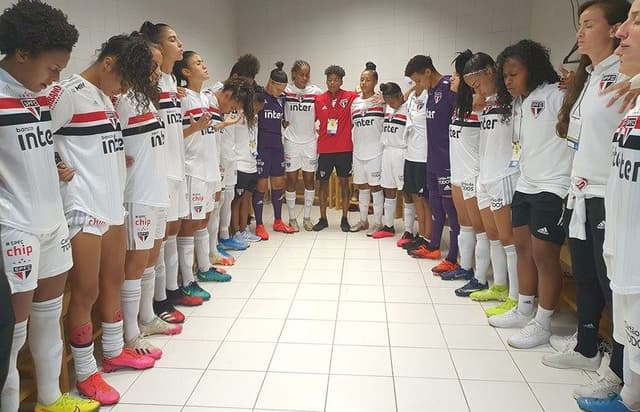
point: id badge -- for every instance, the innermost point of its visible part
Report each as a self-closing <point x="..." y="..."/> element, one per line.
<point x="332" y="126"/>
<point x="573" y="133"/>
<point x="515" y="158"/>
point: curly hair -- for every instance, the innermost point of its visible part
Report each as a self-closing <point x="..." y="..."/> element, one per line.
<point x="134" y="63"/>
<point x="535" y="58"/>
<point x="243" y="90"/>
<point x="334" y="69"/>
<point x="464" y="100"/>
<point x="247" y="66"/>
<point x="35" y="27"/>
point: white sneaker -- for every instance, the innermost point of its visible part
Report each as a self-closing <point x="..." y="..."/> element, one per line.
<point x="510" y="319"/>
<point x="532" y="335"/>
<point x="249" y="236"/>
<point x="572" y="360"/>
<point x="564" y="343"/>
<point x="605" y="387"/>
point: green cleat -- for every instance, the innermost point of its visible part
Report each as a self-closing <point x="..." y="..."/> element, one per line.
<point x="503" y="308"/>
<point x="495" y="292"/>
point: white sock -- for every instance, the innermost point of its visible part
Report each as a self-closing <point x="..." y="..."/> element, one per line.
<point x="225" y="212"/>
<point x="409" y="217"/>
<point x="84" y="362"/>
<point x="213" y="228"/>
<point x="309" y="195"/>
<point x="378" y="202"/>
<point x="146" y="313"/>
<point x="389" y="211"/>
<point x="10" y="399"/>
<point x="291" y="204"/>
<point x="130" y="301"/>
<point x="185" y="257"/>
<point x="525" y="304"/>
<point x="499" y="263"/>
<point x="467" y="245"/>
<point x="631" y="390"/>
<point x="112" y="341"/>
<point x="45" y="342"/>
<point x="160" y="287"/>
<point x="171" y="262"/>
<point x="512" y="269"/>
<point x="483" y="257"/>
<point x="543" y="317"/>
<point x="363" y="204"/>
<point x="201" y="241"/>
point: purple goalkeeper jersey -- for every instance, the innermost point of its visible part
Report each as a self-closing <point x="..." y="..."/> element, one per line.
<point x="270" y="124"/>
<point x="440" y="105"/>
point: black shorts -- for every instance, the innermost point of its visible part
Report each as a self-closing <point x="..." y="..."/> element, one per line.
<point x="542" y="212"/>
<point x="415" y="178"/>
<point x="246" y="182"/>
<point x="342" y="162"/>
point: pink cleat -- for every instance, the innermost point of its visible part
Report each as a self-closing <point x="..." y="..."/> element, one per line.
<point x="127" y="359"/>
<point x="94" y="387"/>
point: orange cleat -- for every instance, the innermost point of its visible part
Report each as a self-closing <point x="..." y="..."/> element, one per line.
<point x="280" y="226"/>
<point x="444" y="266"/>
<point x="422" y="252"/>
<point x="261" y="232"/>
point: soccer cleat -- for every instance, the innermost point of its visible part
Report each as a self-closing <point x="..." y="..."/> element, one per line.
<point x="457" y="274"/>
<point x="505" y="307"/>
<point x="415" y="243"/>
<point x="250" y="237"/>
<point x="532" y="335"/>
<point x="158" y="326"/>
<point x="307" y="224"/>
<point x="384" y="232"/>
<point x="613" y="404"/>
<point x="322" y="224"/>
<point x="178" y="298"/>
<point x="234" y="243"/>
<point x="572" y="360"/>
<point x="510" y="319"/>
<point x="143" y="347"/>
<point x="404" y="239"/>
<point x="95" y="387"/>
<point x="446" y="266"/>
<point x="293" y="223"/>
<point x="423" y="252"/>
<point x="375" y="228"/>
<point x="359" y="227"/>
<point x="564" y="343"/>
<point x="194" y="290"/>
<point x="69" y="403"/>
<point x="607" y="386"/>
<point x="495" y="292"/>
<point x="472" y="286"/>
<point x="128" y="358"/>
<point x="344" y="225"/>
<point x="279" y="226"/>
<point x="261" y="232"/>
<point x="218" y="259"/>
<point x="222" y="252"/>
<point x="167" y="312"/>
<point x="213" y="275"/>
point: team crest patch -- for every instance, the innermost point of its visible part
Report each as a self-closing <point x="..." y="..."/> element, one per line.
<point x="22" y="269"/>
<point x="113" y="118"/>
<point x="437" y="96"/>
<point x="607" y="80"/>
<point x="537" y="107"/>
<point x="300" y="98"/>
<point x="32" y="106"/>
<point x="343" y="103"/>
<point x="627" y="125"/>
<point x="174" y="98"/>
<point x="419" y="104"/>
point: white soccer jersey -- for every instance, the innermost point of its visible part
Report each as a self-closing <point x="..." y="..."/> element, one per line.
<point x="592" y="158"/>
<point x="88" y="138"/>
<point x="367" y="119"/>
<point x="464" y="147"/>
<point x="144" y="142"/>
<point x="171" y="115"/>
<point x="417" y="127"/>
<point x="29" y="192"/>
<point x="202" y="159"/>
<point x="622" y="202"/>
<point x="495" y="143"/>
<point x="246" y="140"/>
<point x="300" y="113"/>
<point x="545" y="162"/>
<point x="225" y="137"/>
<point x="394" y="128"/>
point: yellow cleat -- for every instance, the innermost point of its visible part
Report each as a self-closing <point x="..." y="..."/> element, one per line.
<point x="68" y="403"/>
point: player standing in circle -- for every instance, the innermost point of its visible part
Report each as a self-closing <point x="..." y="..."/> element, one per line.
<point x="335" y="146"/>
<point x="584" y="119"/>
<point x="36" y="41"/>
<point x="300" y="146"/>
<point x="89" y="141"/>
<point x="367" y="117"/>
<point x="527" y="78"/>
<point x="271" y="153"/>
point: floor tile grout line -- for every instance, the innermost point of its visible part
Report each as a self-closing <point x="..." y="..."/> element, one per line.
<point x="386" y="314"/>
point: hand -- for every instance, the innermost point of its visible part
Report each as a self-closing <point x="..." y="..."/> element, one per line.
<point x="285" y="124"/>
<point x="129" y="161"/>
<point x="65" y="173"/>
<point x="619" y="90"/>
<point x="565" y="77"/>
<point x="378" y="99"/>
<point x="231" y="120"/>
<point x="181" y="93"/>
<point x="202" y="123"/>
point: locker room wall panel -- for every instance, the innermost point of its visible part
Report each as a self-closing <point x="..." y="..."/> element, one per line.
<point x="552" y="25"/>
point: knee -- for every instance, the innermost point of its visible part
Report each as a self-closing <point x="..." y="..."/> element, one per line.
<point x="85" y="298"/>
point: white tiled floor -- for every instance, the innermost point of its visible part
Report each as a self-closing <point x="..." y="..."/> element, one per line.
<point x="338" y="322"/>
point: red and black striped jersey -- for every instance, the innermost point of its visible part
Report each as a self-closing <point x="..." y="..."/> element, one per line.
<point x="171" y="115"/>
<point x="299" y="112"/>
<point x="367" y="118"/>
<point x="395" y="126"/>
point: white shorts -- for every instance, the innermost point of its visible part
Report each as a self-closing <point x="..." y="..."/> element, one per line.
<point x="468" y="188"/>
<point x="178" y="203"/>
<point x="392" y="173"/>
<point x="201" y="197"/>
<point x="229" y="174"/>
<point x="626" y="326"/>
<point x="367" y="171"/>
<point x="144" y="225"/>
<point x="300" y="156"/>
<point x="27" y="257"/>
<point x="80" y="222"/>
<point x="498" y="194"/>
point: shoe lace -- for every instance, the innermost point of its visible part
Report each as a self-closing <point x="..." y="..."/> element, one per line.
<point x="531" y="329"/>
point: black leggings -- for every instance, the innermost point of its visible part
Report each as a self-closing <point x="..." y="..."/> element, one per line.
<point x="7" y="322"/>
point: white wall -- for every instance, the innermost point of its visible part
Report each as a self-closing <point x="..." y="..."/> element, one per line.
<point x="552" y="25"/>
<point x="386" y="32"/>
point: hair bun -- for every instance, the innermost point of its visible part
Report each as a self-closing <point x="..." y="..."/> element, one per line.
<point x="147" y="27"/>
<point x="384" y="87"/>
<point x="370" y="66"/>
<point x="279" y="65"/>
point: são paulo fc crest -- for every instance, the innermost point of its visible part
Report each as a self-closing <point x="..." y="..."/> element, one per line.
<point x="32" y="106"/>
<point x="607" y="80"/>
<point x="419" y="104"/>
<point x="537" y="107"/>
<point x="113" y="118"/>
<point x="343" y="103"/>
<point x="22" y="269"/>
<point x="300" y="98"/>
<point x="627" y="125"/>
<point x="437" y="96"/>
<point x="174" y="98"/>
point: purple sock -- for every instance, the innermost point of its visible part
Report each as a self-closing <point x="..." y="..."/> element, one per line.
<point x="276" y="200"/>
<point x="258" y="204"/>
<point x="450" y="208"/>
<point x="438" y="214"/>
